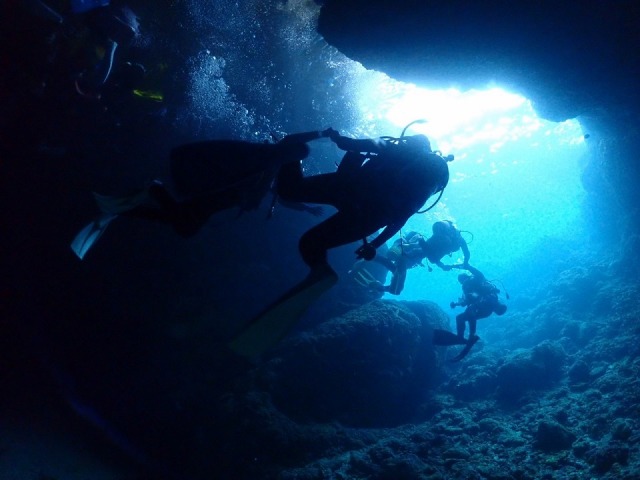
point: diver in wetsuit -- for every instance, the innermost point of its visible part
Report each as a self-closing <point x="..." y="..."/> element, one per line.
<point x="405" y="253"/>
<point x="96" y="25"/>
<point x="446" y="239"/>
<point x="379" y="184"/>
<point x="208" y="177"/>
<point x="409" y="252"/>
<point x="480" y="297"/>
<point x="212" y="176"/>
<point x="379" y="190"/>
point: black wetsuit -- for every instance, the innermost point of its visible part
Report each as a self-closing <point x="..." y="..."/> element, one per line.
<point x="445" y="240"/>
<point x="212" y="176"/>
<point x="387" y="188"/>
<point x="481" y="300"/>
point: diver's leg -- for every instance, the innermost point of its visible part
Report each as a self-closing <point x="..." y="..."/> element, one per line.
<point x="337" y="230"/>
<point x="461" y="324"/>
<point x="190" y="216"/>
<point x="397" y="280"/>
<point x="402" y="277"/>
<point x="472" y="327"/>
<point x="186" y="217"/>
<point x="293" y="186"/>
<point x="392" y="288"/>
<point x="147" y="212"/>
<point x="473" y="338"/>
<point x="153" y="203"/>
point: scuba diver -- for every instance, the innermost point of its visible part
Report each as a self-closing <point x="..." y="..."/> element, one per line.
<point x="101" y="27"/>
<point x="379" y="184"/>
<point x="445" y="240"/>
<point x="480" y="297"/>
<point x="408" y="252"/>
<point x="118" y="26"/>
<point x="405" y="253"/>
<point x="208" y="177"/>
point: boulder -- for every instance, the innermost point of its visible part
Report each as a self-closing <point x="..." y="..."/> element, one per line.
<point x="370" y="367"/>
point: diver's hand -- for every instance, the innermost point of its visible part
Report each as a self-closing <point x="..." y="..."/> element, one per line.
<point x="366" y="252"/>
<point x="331" y="133"/>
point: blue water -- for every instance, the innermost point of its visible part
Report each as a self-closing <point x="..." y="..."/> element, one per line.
<point x="514" y="184"/>
<point x="141" y="323"/>
<point x="511" y="200"/>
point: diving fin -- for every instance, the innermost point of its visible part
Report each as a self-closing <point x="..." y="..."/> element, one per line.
<point x="117" y="205"/>
<point x="470" y="343"/>
<point x="270" y="326"/>
<point x="445" y="338"/>
<point x="90" y="234"/>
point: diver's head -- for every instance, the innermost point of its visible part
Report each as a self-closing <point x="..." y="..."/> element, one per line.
<point x="418" y="142"/>
<point x="500" y="309"/>
<point x="463" y="277"/>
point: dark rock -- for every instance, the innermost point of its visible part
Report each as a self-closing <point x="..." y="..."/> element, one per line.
<point x="603" y="457"/>
<point x="562" y="416"/>
<point x="553" y="437"/>
<point x="581" y="446"/>
<point x="476" y="383"/>
<point x="525" y="370"/>
<point x="490" y="425"/>
<point x="579" y="372"/>
<point x="458" y="453"/>
<point x="370" y="367"/>
<point x="621" y="429"/>
<point x="402" y="467"/>
<point x="565" y="57"/>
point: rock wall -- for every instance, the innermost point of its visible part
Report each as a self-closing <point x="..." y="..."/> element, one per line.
<point x="572" y="59"/>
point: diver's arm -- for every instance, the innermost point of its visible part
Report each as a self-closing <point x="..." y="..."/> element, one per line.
<point x="367" y="250"/>
<point x="388" y="232"/>
<point x="462" y="302"/>
<point x="356" y="145"/>
<point x="476" y="273"/>
<point x="465" y="251"/>
<point x="444" y="267"/>
<point x="305" y="137"/>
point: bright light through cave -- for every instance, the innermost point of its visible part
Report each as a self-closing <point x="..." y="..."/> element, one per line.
<point x="515" y="182"/>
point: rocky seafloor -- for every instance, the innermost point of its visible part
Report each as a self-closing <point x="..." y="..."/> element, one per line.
<point x="563" y="404"/>
<point x="551" y="391"/>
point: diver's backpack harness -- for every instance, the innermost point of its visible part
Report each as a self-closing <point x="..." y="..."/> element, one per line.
<point x="449" y="158"/>
<point x="355" y="160"/>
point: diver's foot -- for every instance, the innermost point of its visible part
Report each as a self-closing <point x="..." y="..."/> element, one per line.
<point x="470" y="343"/>
<point x="185" y="223"/>
<point x="159" y="193"/>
